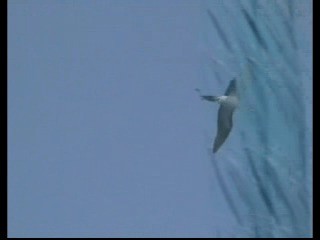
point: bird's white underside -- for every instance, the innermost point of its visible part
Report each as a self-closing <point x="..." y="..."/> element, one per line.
<point x="231" y="101"/>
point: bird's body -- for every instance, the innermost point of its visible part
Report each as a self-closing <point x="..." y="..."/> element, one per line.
<point x="228" y="103"/>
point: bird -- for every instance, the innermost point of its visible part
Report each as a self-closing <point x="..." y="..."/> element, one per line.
<point x="229" y="102"/>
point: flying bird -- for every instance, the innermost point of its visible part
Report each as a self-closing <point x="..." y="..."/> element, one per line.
<point x="228" y="103"/>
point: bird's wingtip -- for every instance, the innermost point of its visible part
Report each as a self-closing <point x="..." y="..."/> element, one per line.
<point x="215" y="149"/>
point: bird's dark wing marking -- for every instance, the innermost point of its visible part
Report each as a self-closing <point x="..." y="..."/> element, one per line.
<point x="224" y="126"/>
<point x="232" y="88"/>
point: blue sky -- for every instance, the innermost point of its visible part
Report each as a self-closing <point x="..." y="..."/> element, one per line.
<point x="107" y="137"/>
<point x="104" y="124"/>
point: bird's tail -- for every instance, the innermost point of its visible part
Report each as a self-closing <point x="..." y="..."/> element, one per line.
<point x="210" y="98"/>
<point x="207" y="97"/>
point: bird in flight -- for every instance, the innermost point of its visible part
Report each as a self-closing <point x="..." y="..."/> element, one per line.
<point x="228" y="103"/>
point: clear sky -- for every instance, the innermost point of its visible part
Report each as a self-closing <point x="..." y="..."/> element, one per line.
<point x="107" y="137"/>
<point x="104" y="122"/>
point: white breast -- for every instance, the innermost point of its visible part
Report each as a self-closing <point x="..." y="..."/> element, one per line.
<point x="231" y="101"/>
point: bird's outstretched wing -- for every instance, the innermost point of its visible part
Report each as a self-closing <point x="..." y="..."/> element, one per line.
<point x="232" y="88"/>
<point x="224" y="125"/>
